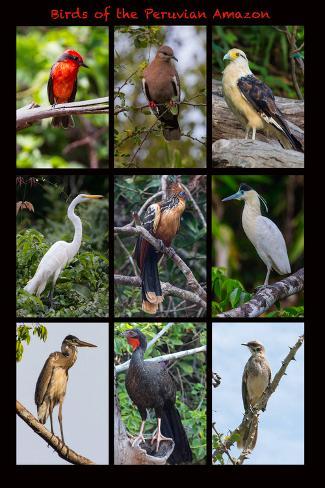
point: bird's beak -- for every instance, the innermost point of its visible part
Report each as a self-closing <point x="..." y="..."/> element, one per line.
<point x="95" y="197"/>
<point x="85" y="344"/>
<point x="174" y="57"/>
<point x="235" y="196"/>
<point x="227" y="57"/>
<point x="244" y="345"/>
<point x="83" y="64"/>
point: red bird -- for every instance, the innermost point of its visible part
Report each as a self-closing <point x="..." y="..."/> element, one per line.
<point x="62" y="84"/>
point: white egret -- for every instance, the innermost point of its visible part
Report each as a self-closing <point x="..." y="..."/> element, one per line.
<point x="59" y="254"/>
<point x="262" y="232"/>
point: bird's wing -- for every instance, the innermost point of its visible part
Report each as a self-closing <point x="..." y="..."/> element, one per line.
<point x="50" y="89"/>
<point x="270" y="241"/>
<point x="56" y="257"/>
<point x="74" y="91"/>
<point x="176" y="86"/>
<point x="45" y="378"/>
<point x="244" y="390"/>
<point x="150" y="223"/>
<point x="261" y="97"/>
<point x="146" y="90"/>
<point x="151" y="218"/>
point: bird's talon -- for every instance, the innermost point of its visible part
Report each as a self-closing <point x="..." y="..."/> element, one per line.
<point x="137" y="439"/>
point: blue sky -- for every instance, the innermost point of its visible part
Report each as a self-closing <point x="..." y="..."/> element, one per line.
<point x="281" y="426"/>
<point x="85" y="409"/>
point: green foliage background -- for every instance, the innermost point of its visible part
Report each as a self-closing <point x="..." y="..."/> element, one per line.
<point x="267" y="50"/>
<point x="82" y="287"/>
<point x="131" y="126"/>
<point x="131" y="192"/>
<point x="38" y="48"/>
<point x="191" y="371"/>
<point x="237" y="269"/>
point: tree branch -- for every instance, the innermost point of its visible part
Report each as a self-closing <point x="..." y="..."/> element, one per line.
<point x="267" y="296"/>
<point x="160" y="247"/>
<point x="30" y="114"/>
<point x="167" y="289"/>
<point x="63" y="451"/>
<point x="242" y="153"/>
<point x="166" y="357"/>
<point x="159" y="335"/>
<point x="250" y="414"/>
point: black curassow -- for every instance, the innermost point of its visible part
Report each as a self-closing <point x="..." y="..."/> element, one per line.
<point x="149" y="385"/>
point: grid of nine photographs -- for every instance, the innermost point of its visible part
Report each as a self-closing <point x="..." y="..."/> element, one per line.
<point x="160" y="245"/>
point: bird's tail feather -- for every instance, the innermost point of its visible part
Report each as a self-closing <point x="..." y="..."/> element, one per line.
<point x="171" y="130"/>
<point x="66" y="121"/>
<point x="288" y="137"/>
<point x="171" y="426"/>
<point x="37" y="284"/>
<point x="151" y="289"/>
<point x="248" y="436"/>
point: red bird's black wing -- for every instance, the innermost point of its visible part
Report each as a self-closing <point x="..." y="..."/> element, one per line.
<point x="50" y="89"/>
<point x="74" y="91"/>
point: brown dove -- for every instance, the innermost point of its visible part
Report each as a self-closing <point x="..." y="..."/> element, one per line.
<point x="162" y="88"/>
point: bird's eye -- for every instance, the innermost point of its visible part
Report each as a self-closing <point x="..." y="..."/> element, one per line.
<point x="75" y="58"/>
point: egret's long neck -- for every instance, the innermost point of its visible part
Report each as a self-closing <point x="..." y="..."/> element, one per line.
<point x="75" y="244"/>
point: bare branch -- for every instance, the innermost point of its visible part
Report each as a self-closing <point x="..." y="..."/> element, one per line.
<point x="159" y="335"/>
<point x="242" y="153"/>
<point x="63" y="451"/>
<point x="30" y="114"/>
<point x="165" y="357"/>
<point x="195" y="205"/>
<point x="267" y="296"/>
<point x="167" y="289"/>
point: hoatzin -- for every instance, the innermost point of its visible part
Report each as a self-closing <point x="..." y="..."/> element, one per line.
<point x="150" y="385"/>
<point x="162" y="220"/>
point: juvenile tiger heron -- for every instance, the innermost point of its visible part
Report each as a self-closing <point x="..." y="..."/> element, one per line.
<point x="262" y="232"/>
<point x="51" y="385"/>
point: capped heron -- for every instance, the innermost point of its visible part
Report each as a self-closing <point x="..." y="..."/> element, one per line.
<point x="52" y="382"/>
<point x="59" y="254"/>
<point x="262" y="232"/>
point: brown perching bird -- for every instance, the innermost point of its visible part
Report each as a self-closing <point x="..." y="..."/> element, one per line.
<point x="52" y="382"/>
<point x="253" y="103"/>
<point x="162" y="220"/>
<point x="256" y="379"/>
<point x="161" y="86"/>
<point x="150" y="386"/>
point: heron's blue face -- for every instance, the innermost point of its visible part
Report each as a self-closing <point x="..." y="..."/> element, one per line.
<point x="240" y="195"/>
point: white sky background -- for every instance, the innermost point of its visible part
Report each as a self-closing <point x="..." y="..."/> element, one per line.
<point x="188" y="48"/>
<point x="281" y="426"/>
<point x="85" y="408"/>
